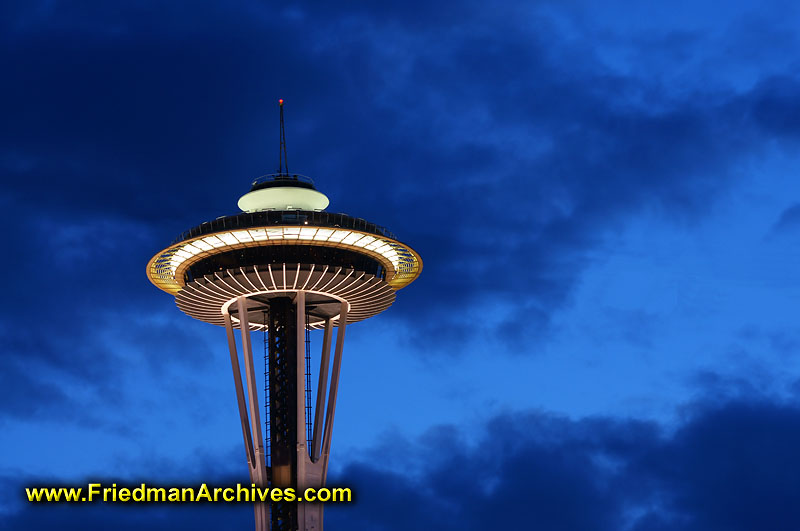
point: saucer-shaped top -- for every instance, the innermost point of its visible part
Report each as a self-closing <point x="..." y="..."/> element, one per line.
<point x="283" y="192"/>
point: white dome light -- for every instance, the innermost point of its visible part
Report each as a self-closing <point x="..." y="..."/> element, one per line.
<point x="283" y="198"/>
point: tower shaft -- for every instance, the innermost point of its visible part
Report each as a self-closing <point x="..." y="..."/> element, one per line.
<point x="282" y="368"/>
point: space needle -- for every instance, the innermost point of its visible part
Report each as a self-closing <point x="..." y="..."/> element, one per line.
<point x="285" y="266"/>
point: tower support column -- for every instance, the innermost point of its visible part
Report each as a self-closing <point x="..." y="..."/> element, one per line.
<point x="254" y="446"/>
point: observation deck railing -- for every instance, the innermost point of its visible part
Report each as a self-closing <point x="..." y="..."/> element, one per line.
<point x="283" y="177"/>
<point x="247" y="220"/>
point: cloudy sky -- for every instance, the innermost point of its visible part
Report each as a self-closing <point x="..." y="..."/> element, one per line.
<point x="604" y="194"/>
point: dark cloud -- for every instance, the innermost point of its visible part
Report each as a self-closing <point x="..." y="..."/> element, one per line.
<point x="157" y="518"/>
<point x="81" y="314"/>
<point x="735" y="469"/>
<point x="726" y="466"/>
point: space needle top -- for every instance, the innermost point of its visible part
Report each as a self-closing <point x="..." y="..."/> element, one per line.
<point x="283" y="220"/>
<point x="282" y="190"/>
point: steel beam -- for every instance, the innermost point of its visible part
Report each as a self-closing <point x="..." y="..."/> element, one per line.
<point x="329" y="414"/>
<point x="240" y="400"/>
<point x="260" y="471"/>
<point x="322" y="388"/>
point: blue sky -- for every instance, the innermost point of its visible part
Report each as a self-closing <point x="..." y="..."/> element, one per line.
<point x="604" y="196"/>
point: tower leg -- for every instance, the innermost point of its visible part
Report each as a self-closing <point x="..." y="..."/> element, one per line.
<point x="322" y="389"/>
<point x="254" y="448"/>
<point x="337" y="365"/>
<point x="316" y="466"/>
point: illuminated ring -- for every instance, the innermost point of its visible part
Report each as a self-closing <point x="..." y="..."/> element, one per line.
<point x="166" y="269"/>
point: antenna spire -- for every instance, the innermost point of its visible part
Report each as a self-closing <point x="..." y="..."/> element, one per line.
<point x="283" y="166"/>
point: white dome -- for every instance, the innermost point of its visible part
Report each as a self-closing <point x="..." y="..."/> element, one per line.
<point x="283" y="198"/>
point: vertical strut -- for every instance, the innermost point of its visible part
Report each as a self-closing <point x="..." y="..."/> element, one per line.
<point x="260" y="472"/>
<point x="237" y="382"/>
<point x="300" y="303"/>
<point x="337" y="364"/>
<point x="322" y="389"/>
<point x="251" y="430"/>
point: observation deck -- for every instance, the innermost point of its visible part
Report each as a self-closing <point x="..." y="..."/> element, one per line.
<point x="209" y="264"/>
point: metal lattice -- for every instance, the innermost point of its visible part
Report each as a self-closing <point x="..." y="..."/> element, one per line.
<point x="283" y="404"/>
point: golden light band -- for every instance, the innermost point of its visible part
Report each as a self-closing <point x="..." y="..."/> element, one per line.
<point x="166" y="269"/>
